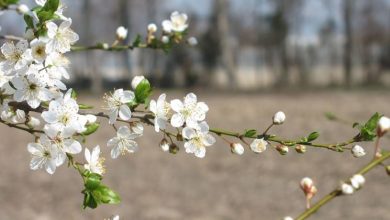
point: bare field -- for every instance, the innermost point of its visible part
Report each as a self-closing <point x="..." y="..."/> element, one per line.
<point x="157" y="185"/>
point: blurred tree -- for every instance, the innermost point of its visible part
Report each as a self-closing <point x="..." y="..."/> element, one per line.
<point x="348" y="13"/>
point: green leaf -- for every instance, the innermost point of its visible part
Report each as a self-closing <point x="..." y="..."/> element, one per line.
<point x="143" y="91"/>
<point x="89" y="200"/>
<point x="47" y="11"/>
<point x="330" y="116"/>
<point x="91" y="128"/>
<point x="137" y="41"/>
<point x="104" y="194"/>
<point x="250" y="133"/>
<point x="312" y="136"/>
<point x="368" y="130"/>
<point x="74" y="94"/>
<point x="29" y="21"/>
<point x="93" y="181"/>
<point x="83" y="106"/>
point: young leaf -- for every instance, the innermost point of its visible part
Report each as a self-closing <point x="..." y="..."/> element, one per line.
<point x="137" y="41"/>
<point x="368" y="130"/>
<point x="104" y="194"/>
<point x="312" y="136"/>
<point x="93" y="181"/>
<point x="91" y="128"/>
<point x="29" y="21"/>
<point x="143" y="91"/>
<point x="250" y="133"/>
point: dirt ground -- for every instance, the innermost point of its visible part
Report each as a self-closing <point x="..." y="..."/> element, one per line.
<point x="158" y="185"/>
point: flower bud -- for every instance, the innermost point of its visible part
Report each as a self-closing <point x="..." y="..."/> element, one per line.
<point x="308" y="187"/>
<point x="279" y="118"/>
<point x="383" y="126"/>
<point x="121" y="33"/>
<point x="301" y="149"/>
<point x="259" y="145"/>
<point x="33" y="122"/>
<point x="237" y="148"/>
<point x="165" y="39"/>
<point x="29" y="35"/>
<point x="288" y="218"/>
<point x="347" y="189"/>
<point x="105" y="46"/>
<point x="136" y="80"/>
<point x="173" y="148"/>
<point x="179" y="137"/>
<point x="357" y="181"/>
<point x="282" y="149"/>
<point x="192" y="41"/>
<point x="164" y="145"/>
<point x="358" y="151"/>
<point x="22" y="9"/>
<point x="152" y="28"/>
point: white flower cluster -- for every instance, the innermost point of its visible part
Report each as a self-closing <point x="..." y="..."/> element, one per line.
<point x="356" y="182"/>
<point x="188" y="114"/>
<point x="31" y="71"/>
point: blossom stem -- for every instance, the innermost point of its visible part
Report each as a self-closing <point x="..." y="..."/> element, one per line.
<point x="268" y="128"/>
<point x="31" y="131"/>
<point x="337" y="192"/>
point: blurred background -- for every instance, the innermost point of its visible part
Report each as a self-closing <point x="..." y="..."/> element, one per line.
<point x="262" y="56"/>
<point x="250" y="45"/>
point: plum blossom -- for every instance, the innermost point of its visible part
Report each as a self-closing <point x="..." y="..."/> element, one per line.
<point x="358" y="151"/>
<point x="198" y="139"/>
<point x="16" y="56"/>
<point x="357" y="181"/>
<point x="123" y="142"/>
<point x="121" y="33"/>
<point x="63" y="115"/>
<point x="60" y="37"/>
<point x="116" y="103"/>
<point x="190" y="112"/>
<point x="63" y="142"/>
<point x="177" y="23"/>
<point x="31" y="90"/>
<point x="38" y="50"/>
<point x="161" y="111"/>
<point x="44" y="155"/>
<point x="94" y="161"/>
<point x="279" y="118"/>
<point x="259" y="145"/>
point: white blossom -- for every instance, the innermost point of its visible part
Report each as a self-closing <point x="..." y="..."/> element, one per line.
<point x="237" y="148"/>
<point x="279" y="118"/>
<point x="116" y="103"/>
<point x="136" y="80"/>
<point x="288" y="218"/>
<point x="161" y="111"/>
<point x="63" y="114"/>
<point x="358" y="151"/>
<point x="60" y="37"/>
<point x="44" y="155"/>
<point x="152" y="28"/>
<point x="31" y="90"/>
<point x="347" y="189"/>
<point x="16" y="56"/>
<point x="17" y="116"/>
<point x="164" y="145"/>
<point x="198" y="139"/>
<point x="190" y="112"/>
<point x="357" y="181"/>
<point x="165" y="39"/>
<point x="177" y="23"/>
<point x="123" y="142"/>
<point x="259" y="145"/>
<point x="38" y="50"/>
<point x="121" y="33"/>
<point x="383" y="125"/>
<point x="63" y="142"/>
<point x="94" y="161"/>
<point x="22" y="9"/>
<point x="192" y="41"/>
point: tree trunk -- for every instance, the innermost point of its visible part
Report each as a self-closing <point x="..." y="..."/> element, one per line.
<point x="348" y="44"/>
<point x="227" y="52"/>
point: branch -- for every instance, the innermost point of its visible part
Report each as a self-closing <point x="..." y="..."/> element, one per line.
<point x="337" y="192"/>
